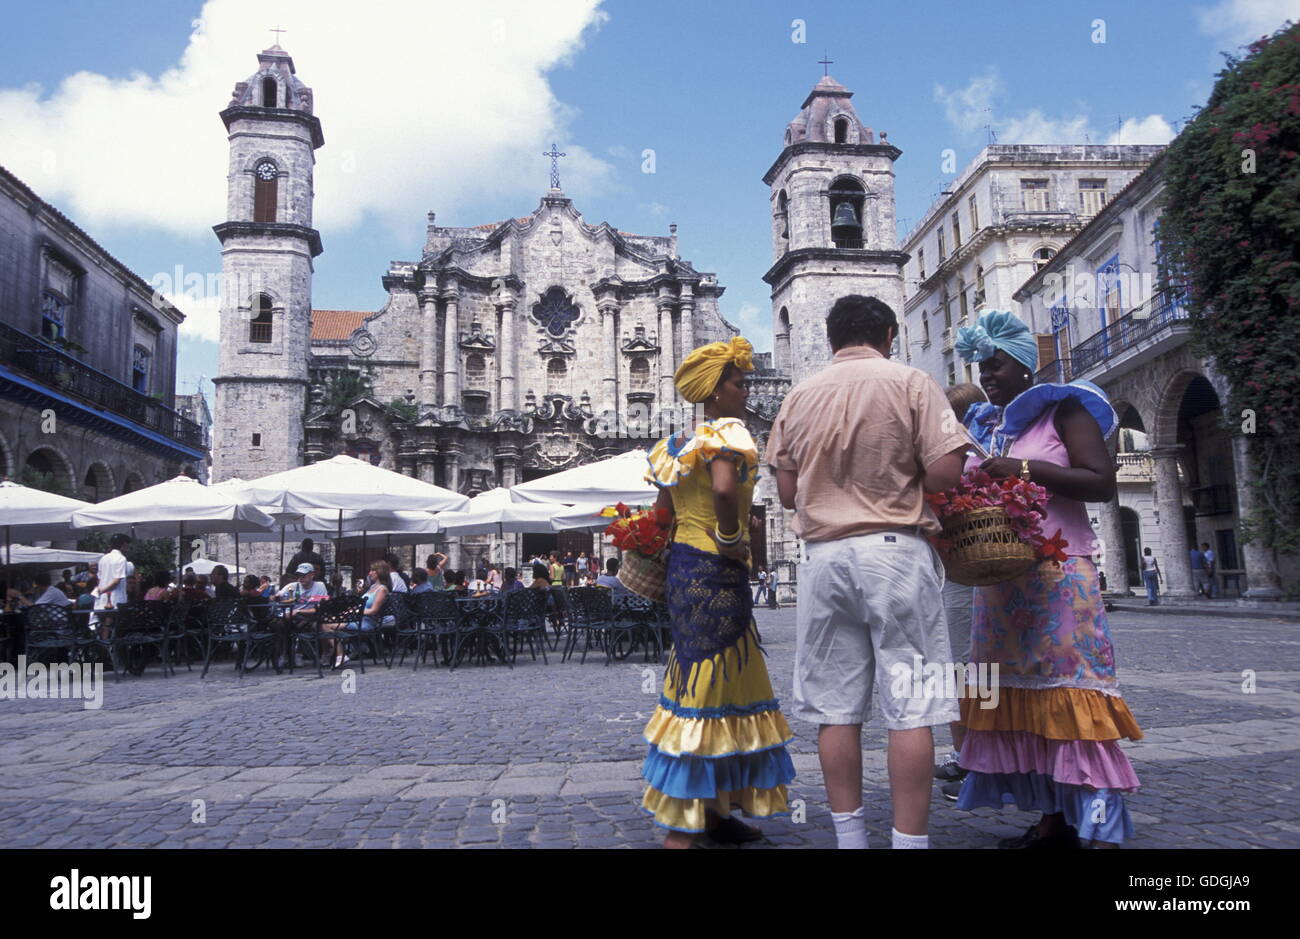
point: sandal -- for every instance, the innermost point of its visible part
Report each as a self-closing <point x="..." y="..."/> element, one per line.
<point x="733" y="831"/>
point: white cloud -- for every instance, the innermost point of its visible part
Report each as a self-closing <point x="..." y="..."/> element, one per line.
<point x="1239" y="22"/>
<point x="754" y="324"/>
<point x="654" y="208"/>
<point x="423" y="106"/>
<point x="202" y="315"/>
<point x="970" y="109"/>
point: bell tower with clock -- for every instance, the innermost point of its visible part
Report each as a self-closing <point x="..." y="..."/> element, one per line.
<point x="267" y="247"/>
<point x="833" y="225"/>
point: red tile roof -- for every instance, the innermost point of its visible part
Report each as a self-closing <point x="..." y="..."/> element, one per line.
<point x="336" y="324"/>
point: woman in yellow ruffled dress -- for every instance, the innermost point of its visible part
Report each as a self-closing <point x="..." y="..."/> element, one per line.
<point x="717" y="739"/>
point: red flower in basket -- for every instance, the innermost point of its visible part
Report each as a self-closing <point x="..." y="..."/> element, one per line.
<point x="645" y="532"/>
<point x="1052" y="548"/>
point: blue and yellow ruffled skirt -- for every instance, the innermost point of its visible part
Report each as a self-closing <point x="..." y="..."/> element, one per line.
<point x="721" y="747"/>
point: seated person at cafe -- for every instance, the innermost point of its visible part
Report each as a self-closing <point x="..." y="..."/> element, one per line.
<point x="305" y="593"/>
<point x="160" y="590"/>
<point x="43" y="594"/>
<point x="85" y="580"/>
<point x="397" y="580"/>
<point x="222" y="588"/>
<point x="66" y="585"/>
<point x="541" y="577"/>
<point x="510" y="580"/>
<point x="265" y="587"/>
<point x="375" y="597"/>
<point x="456" y="583"/>
<point x="610" y="579"/>
<point x="205" y="584"/>
<point x="191" y="592"/>
<point x="252" y="588"/>
<point x="420" y="581"/>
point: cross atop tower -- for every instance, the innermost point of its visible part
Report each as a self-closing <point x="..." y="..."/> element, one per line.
<point x="555" y="155"/>
<point x="278" y="30"/>
<point x="826" y="64"/>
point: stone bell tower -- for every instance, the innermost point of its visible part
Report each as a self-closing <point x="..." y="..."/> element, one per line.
<point x="833" y="226"/>
<point x="267" y="247"/>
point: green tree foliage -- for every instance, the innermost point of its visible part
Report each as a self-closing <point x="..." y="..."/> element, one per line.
<point x="149" y="555"/>
<point x="46" y="482"/>
<point x="1230" y="237"/>
<point x="346" y="387"/>
<point x="404" y="410"/>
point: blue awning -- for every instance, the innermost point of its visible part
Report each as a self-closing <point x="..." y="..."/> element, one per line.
<point x="15" y="386"/>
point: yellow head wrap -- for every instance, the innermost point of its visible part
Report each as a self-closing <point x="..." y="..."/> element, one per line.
<point x="701" y="371"/>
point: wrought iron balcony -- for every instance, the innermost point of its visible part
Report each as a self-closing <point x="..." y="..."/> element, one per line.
<point x="1144" y="323"/>
<point x="36" y="359"/>
<point x="849" y="243"/>
<point x="1213" y="500"/>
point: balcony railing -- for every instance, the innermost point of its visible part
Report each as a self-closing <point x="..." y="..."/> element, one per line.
<point x="1213" y="500"/>
<point x="1127" y="332"/>
<point x="849" y="243"/>
<point x="36" y="359"/>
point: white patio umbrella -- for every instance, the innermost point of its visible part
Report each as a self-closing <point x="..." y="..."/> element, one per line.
<point x="35" y="515"/>
<point x="343" y="484"/>
<point x="616" y="479"/>
<point x="493" y="512"/>
<point x="175" y="508"/>
<point x="205" y="566"/>
<point x="582" y="517"/>
<point x="49" y="557"/>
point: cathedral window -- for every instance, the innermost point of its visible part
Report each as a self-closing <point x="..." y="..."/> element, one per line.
<point x="841" y="130"/>
<point x="783" y="214"/>
<point x="1042" y="256"/>
<point x="265" y="191"/>
<point x="555" y="311"/>
<point x="270" y="91"/>
<point x="556" y="372"/>
<point x="475" y="372"/>
<point x="259" y="328"/>
<point x="639" y="375"/>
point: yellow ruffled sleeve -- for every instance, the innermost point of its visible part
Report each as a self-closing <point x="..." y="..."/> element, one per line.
<point x="672" y="458"/>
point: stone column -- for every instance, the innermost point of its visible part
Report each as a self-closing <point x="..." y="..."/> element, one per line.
<point x="1176" y="563"/>
<point x="609" y="365"/>
<point x="451" y="350"/>
<point x="509" y="396"/>
<point x="1262" y="579"/>
<point x="687" y="305"/>
<point x="667" y="393"/>
<point x="428" y="467"/>
<point x="428" y="349"/>
<point x="1111" y="533"/>
<point x="451" y="478"/>
<point x="509" y="476"/>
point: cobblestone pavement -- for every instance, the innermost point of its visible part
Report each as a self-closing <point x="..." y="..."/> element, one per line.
<point x="549" y="755"/>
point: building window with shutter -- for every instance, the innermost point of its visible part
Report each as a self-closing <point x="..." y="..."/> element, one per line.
<point x="140" y="369"/>
<point x="943" y="250"/>
<point x="265" y="191"/>
<point x="956" y="231"/>
<point x="974" y="215"/>
<point x="947" y="313"/>
<point x="1092" y="196"/>
<point x="961" y="295"/>
<point x="59" y="290"/>
<point x="54" y="316"/>
<point x="925" y="330"/>
<point x="920" y="263"/>
<point x="979" y="287"/>
<point x="1042" y="256"/>
<point x="1033" y="193"/>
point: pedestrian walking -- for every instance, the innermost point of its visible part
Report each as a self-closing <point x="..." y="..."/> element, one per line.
<point x="1151" y="577"/>
<point x="760" y="592"/>
<point x="854" y="449"/>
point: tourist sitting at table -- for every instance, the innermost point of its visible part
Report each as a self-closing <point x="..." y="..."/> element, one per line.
<point x="510" y="580"/>
<point x="205" y="584"/>
<point x="252" y="588"/>
<point x="65" y="584"/>
<point x="265" y="588"/>
<point x="420" y="581"/>
<point x="222" y="588"/>
<point x="85" y="579"/>
<point x="375" y="597"/>
<point x="305" y="593"/>
<point x="610" y="579"/>
<point x="398" y="580"/>
<point x="456" y="583"/>
<point x="160" y="591"/>
<point x="43" y="594"/>
<point x="191" y="592"/>
<point x="435" y="564"/>
<point x="541" y="577"/>
<point x="493" y="577"/>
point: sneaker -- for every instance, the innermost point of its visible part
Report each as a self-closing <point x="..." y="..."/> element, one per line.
<point x="949" y="770"/>
<point x="1066" y="838"/>
<point x="951" y="790"/>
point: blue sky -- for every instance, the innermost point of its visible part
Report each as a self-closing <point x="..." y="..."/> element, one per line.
<point x="431" y="106"/>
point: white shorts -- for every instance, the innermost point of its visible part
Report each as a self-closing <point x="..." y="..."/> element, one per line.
<point x="870" y="610"/>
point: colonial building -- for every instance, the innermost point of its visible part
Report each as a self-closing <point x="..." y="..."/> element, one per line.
<point x="87" y="361"/>
<point x="504" y="351"/>
<point x="1004" y="217"/>
<point x="1185" y="473"/>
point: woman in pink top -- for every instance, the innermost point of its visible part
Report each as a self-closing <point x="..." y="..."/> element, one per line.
<point x="1052" y="743"/>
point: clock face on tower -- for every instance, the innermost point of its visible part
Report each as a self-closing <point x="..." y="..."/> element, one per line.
<point x="266" y="170"/>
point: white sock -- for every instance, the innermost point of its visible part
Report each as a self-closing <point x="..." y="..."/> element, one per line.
<point x="851" y="828"/>
<point x="910" y="841"/>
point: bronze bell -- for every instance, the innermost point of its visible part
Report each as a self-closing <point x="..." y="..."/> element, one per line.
<point x="845" y="216"/>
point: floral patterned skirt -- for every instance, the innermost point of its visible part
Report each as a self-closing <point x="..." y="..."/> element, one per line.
<point x="1052" y="742"/>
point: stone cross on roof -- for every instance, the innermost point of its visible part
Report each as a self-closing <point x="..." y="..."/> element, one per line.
<point x="555" y="155"/>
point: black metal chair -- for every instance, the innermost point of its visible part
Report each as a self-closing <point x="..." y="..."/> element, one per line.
<point x="561" y="611"/>
<point x="635" y="622"/>
<point x="353" y="639"/>
<point x="309" y="632"/>
<point x="134" y="633"/>
<point x="524" y="620"/>
<point x="231" y="623"/>
<point x="433" y="622"/>
<point x="590" y="618"/>
<point x="50" y="629"/>
<point x="481" y="629"/>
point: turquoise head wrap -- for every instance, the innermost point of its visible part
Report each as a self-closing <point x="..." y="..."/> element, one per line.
<point x="998" y="330"/>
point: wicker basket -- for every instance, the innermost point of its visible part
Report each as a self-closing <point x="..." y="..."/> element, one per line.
<point x="645" y="576"/>
<point x="985" y="548"/>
